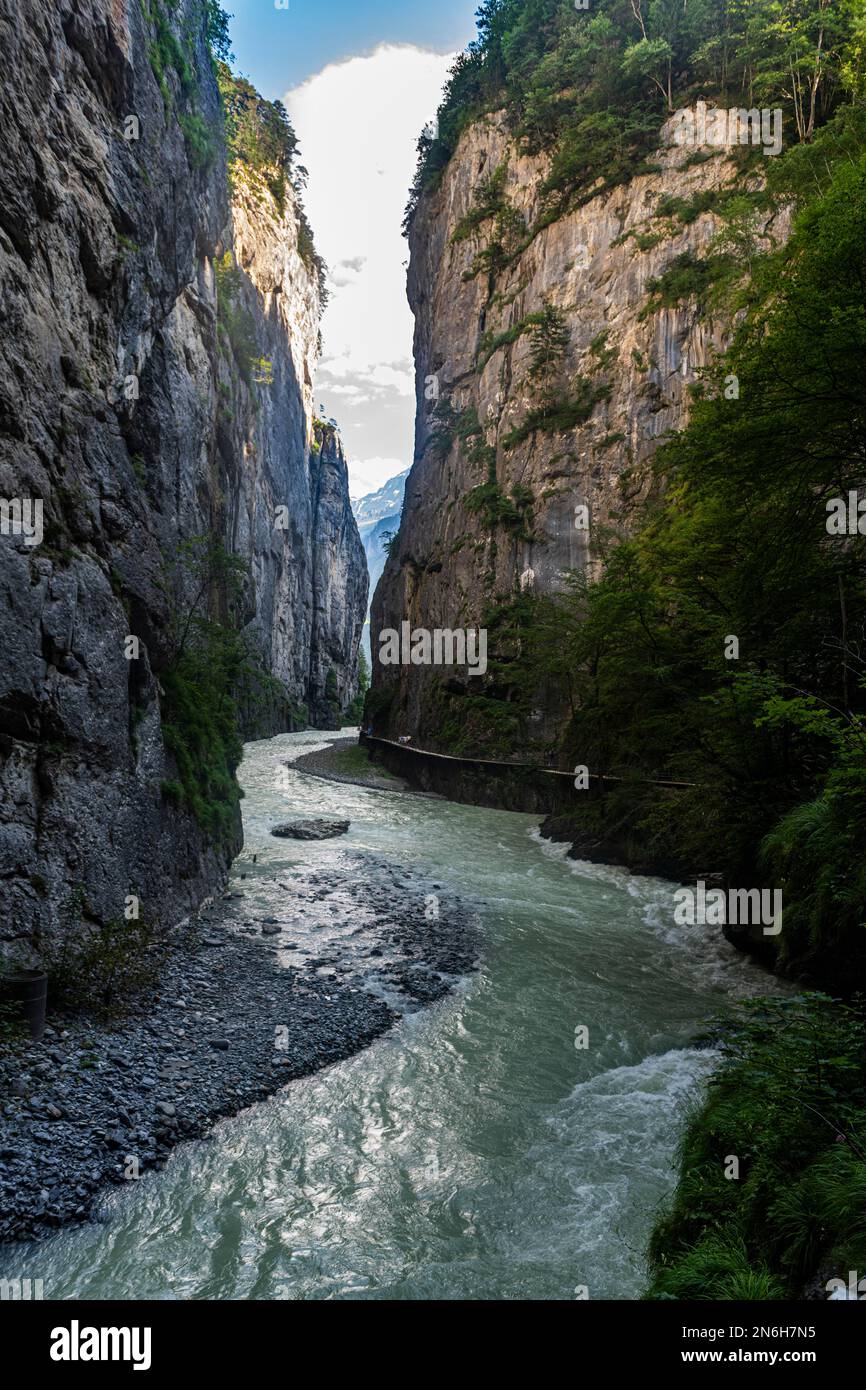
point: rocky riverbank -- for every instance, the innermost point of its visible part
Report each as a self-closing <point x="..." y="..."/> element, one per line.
<point x="245" y="1004"/>
<point x="344" y="760"/>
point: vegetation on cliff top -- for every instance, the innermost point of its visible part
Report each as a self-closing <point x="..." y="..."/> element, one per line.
<point x="258" y="134"/>
<point x="591" y="88"/>
<point x="261" y="139"/>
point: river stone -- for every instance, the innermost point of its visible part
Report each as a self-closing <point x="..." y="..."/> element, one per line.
<point x="311" y="830"/>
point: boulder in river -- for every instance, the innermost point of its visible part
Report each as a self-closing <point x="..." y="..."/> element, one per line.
<point x="311" y="830"/>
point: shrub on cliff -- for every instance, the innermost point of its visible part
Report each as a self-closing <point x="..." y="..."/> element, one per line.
<point x="98" y="967"/>
<point x="202" y="681"/>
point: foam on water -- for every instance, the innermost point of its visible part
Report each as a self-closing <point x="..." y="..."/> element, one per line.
<point x="705" y="952"/>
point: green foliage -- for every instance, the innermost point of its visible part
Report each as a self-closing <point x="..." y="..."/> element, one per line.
<point x="355" y="712"/>
<point x="688" y="277"/>
<point x="591" y="88"/>
<point x="259" y="133"/>
<point x="556" y="415"/>
<point x="200" y="143"/>
<point x="492" y="718"/>
<point x="789" y="1100"/>
<point x="515" y="513"/>
<point x="310" y="256"/>
<point x="95" y="967"/>
<point x="491" y="343"/>
<point x="209" y="671"/>
<point x="167" y="53"/>
<point x="688" y="210"/>
<point x="506" y="242"/>
<point x="464" y="427"/>
<point x="814" y="852"/>
<point x="235" y="321"/>
<point x="488" y="202"/>
<point x="378" y="706"/>
<point x="173" y="52"/>
<point x="217" y="32"/>
<point x="550" y="339"/>
<point x="506" y="238"/>
<point x="260" y="138"/>
<point x="355" y="763"/>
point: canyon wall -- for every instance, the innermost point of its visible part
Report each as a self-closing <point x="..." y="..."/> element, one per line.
<point x="286" y="480"/>
<point x="339" y="584"/>
<point x="494" y="506"/>
<point x="129" y="414"/>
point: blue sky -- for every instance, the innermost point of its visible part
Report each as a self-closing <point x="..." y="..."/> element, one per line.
<point x="280" y="48"/>
<point x="360" y="80"/>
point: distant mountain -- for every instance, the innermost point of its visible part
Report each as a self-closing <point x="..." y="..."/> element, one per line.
<point x="388" y="501"/>
<point x="378" y="516"/>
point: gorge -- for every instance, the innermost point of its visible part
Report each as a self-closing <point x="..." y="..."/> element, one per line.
<point x="432" y="1048"/>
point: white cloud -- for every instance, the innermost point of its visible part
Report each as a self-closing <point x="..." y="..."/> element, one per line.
<point x="401" y="379"/>
<point x="358" y="123"/>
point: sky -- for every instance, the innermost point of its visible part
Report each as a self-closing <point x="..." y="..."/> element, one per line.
<point x="360" y="81"/>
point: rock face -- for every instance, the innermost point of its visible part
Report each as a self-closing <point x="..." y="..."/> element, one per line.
<point x="308" y="591"/>
<point x="473" y="347"/>
<point x="124" y="414"/>
<point x="339" y="584"/>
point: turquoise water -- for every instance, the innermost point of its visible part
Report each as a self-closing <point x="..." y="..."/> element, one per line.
<point x="473" y="1152"/>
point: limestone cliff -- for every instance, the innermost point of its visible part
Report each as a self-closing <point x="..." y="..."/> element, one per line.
<point x="286" y="481"/>
<point x="495" y="499"/>
<point x="155" y="392"/>
<point x="339" y="584"/>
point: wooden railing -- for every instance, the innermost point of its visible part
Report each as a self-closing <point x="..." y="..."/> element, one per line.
<point x="370" y="739"/>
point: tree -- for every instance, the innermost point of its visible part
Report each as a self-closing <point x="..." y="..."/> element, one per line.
<point x="550" y="339"/>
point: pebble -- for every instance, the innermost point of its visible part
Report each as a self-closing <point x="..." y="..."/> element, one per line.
<point x="114" y="1092"/>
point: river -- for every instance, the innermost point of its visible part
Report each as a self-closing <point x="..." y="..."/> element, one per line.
<point x="474" y="1151"/>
